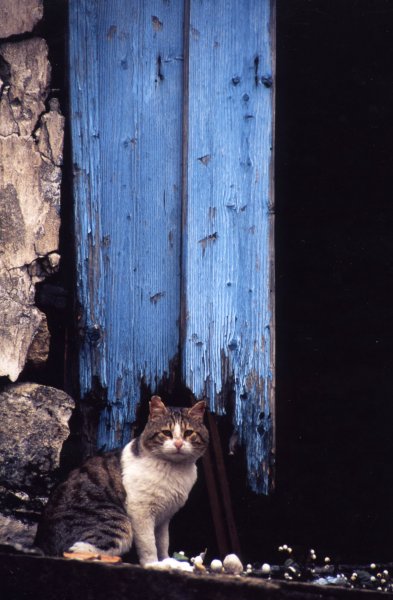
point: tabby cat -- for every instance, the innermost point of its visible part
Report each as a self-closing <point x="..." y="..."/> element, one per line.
<point x="129" y="496"/>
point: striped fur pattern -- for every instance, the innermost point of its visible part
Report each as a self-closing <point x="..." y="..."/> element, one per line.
<point x="129" y="496"/>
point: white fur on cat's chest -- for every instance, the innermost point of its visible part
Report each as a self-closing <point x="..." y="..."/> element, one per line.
<point x="155" y="486"/>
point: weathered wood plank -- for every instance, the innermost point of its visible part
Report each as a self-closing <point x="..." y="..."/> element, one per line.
<point x="228" y="213"/>
<point x="126" y="81"/>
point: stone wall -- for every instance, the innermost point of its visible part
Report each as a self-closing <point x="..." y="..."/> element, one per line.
<point x="33" y="418"/>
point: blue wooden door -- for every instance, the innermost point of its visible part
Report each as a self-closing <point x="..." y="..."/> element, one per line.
<point x="172" y="133"/>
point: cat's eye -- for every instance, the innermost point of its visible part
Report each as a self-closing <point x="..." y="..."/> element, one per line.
<point x="167" y="432"/>
<point x="188" y="432"/>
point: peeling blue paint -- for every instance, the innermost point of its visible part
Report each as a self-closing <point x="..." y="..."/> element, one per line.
<point x="126" y="132"/>
<point x="227" y="284"/>
<point x="171" y="141"/>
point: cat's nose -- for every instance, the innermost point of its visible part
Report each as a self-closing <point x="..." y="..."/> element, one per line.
<point x="178" y="443"/>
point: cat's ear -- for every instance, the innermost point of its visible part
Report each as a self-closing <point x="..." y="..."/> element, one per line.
<point x="198" y="410"/>
<point x="157" y="407"/>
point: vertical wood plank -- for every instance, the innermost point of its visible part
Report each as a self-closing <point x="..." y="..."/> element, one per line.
<point x="126" y="87"/>
<point x="228" y="213"/>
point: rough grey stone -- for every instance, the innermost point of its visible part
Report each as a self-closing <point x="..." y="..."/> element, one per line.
<point x="19" y="16"/>
<point x="31" y="147"/>
<point x="39" y="348"/>
<point x="15" y="531"/>
<point x="33" y="427"/>
<point x="19" y="319"/>
<point x="26" y="81"/>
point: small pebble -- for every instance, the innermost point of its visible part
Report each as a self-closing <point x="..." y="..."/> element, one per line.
<point x="292" y="569"/>
<point x="232" y="564"/>
<point x="168" y="564"/>
<point x="373" y="566"/>
<point x="216" y="565"/>
<point x="198" y="564"/>
<point x="54" y="259"/>
<point x="266" y="568"/>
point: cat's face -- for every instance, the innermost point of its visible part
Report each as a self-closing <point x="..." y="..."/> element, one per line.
<point x="175" y="434"/>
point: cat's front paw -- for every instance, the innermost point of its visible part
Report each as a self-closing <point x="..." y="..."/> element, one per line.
<point x="169" y="564"/>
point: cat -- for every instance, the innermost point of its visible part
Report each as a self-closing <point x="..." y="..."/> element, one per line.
<point x="128" y="496"/>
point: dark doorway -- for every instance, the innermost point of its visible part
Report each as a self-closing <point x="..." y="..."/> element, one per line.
<point x="334" y="244"/>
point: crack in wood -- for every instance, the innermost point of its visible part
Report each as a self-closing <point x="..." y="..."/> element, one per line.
<point x="160" y="75"/>
<point x="209" y="239"/>
<point x="256" y="69"/>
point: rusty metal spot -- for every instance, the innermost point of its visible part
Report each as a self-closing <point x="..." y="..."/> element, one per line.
<point x="156" y="297"/>
<point x="205" y="159"/>
<point x="157" y="24"/>
<point x="209" y="239"/>
<point x="111" y="32"/>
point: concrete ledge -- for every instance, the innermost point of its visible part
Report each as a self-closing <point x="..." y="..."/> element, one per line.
<point x="30" y="577"/>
